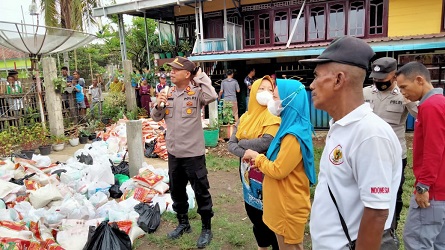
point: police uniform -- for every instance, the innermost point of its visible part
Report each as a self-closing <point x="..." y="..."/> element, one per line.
<point x="185" y="145"/>
<point x="392" y="107"/>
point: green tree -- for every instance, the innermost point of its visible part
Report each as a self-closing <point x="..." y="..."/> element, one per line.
<point x="69" y="14"/>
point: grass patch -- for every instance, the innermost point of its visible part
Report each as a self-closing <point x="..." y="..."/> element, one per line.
<point x="217" y="163"/>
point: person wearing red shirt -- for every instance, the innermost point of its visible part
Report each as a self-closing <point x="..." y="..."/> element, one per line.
<point x="425" y="223"/>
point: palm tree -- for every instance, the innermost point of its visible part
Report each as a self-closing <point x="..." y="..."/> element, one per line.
<point x="69" y="14"/>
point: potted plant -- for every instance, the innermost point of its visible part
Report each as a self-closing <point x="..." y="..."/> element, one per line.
<point x="59" y="84"/>
<point x="27" y="141"/>
<point x="74" y="136"/>
<point x="44" y="139"/>
<point x="91" y="127"/>
<point x="211" y="134"/>
<point x="59" y="142"/>
<point x="184" y="48"/>
<point x="168" y="48"/>
<point x="84" y="134"/>
<point x="142" y="113"/>
<point x="226" y="120"/>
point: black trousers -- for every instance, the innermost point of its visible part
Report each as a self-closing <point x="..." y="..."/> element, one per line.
<point x="263" y="235"/>
<point x="193" y="169"/>
<point x="399" y="201"/>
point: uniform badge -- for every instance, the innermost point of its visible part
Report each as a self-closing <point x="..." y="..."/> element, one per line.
<point x="188" y="89"/>
<point x="377" y="68"/>
<point x="189" y="103"/>
<point x="167" y="111"/>
<point x="336" y="155"/>
<point x="169" y="94"/>
<point x="173" y="88"/>
<point x="191" y="93"/>
<point x="188" y="111"/>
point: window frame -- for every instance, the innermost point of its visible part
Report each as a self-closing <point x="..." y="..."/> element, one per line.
<point x="307" y="18"/>
<point x="345" y="16"/>
<point x="384" y="21"/>
<point x="364" y="17"/>
<point x="305" y="23"/>
<point x="287" y="10"/>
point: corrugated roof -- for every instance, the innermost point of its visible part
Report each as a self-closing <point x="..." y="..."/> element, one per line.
<point x="312" y="45"/>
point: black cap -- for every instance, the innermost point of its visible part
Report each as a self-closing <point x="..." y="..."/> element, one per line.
<point x="382" y="67"/>
<point x="183" y="63"/>
<point x="12" y="72"/>
<point x="346" y="50"/>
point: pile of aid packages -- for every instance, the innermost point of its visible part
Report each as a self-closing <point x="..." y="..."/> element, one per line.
<point x="87" y="202"/>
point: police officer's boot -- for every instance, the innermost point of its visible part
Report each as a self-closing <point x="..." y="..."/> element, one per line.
<point x="206" y="233"/>
<point x="183" y="227"/>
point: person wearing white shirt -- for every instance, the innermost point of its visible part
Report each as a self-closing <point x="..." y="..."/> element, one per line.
<point x="360" y="167"/>
<point x="95" y="93"/>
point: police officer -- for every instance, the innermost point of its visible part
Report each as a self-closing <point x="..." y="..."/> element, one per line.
<point x="389" y="104"/>
<point x="181" y="106"/>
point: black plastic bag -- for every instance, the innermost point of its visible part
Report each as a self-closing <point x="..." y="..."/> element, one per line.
<point x="149" y="148"/>
<point x="149" y="216"/>
<point x="106" y="237"/>
<point x="21" y="181"/>
<point x="115" y="192"/>
<point x="87" y="159"/>
<point x="122" y="168"/>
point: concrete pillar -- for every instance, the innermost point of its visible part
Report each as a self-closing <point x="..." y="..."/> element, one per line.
<point x="130" y="94"/>
<point x="213" y="112"/>
<point x="53" y="100"/>
<point x="135" y="146"/>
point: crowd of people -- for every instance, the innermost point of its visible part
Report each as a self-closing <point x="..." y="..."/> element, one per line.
<point x="357" y="201"/>
<point x="92" y="97"/>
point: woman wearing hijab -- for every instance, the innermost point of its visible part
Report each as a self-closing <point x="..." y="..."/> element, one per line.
<point x="288" y="166"/>
<point x="144" y="92"/>
<point x="255" y="130"/>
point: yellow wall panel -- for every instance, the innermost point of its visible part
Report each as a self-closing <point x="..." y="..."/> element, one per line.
<point x="214" y="5"/>
<point x="414" y="17"/>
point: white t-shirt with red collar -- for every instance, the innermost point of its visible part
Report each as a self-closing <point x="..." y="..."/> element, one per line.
<point x="361" y="163"/>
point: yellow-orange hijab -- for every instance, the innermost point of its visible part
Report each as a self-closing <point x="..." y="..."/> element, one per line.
<point x="257" y="121"/>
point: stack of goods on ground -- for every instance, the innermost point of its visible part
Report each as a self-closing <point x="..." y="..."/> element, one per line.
<point x="153" y="134"/>
<point x="88" y="202"/>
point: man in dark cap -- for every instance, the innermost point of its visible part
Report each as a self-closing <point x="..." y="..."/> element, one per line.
<point x="181" y="106"/>
<point x="162" y="83"/>
<point x="389" y="104"/>
<point x="360" y="166"/>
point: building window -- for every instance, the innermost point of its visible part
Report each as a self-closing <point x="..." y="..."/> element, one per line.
<point x="299" y="34"/>
<point x="376" y="17"/>
<point x="264" y="29"/>
<point x="336" y="25"/>
<point x="183" y="31"/>
<point x="316" y="29"/>
<point x="280" y="27"/>
<point x="249" y="30"/>
<point x="356" y="19"/>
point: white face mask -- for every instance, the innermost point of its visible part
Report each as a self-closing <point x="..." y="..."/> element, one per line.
<point x="274" y="107"/>
<point x="264" y="97"/>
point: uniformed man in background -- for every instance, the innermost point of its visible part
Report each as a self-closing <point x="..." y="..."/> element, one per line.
<point x="181" y="106"/>
<point x="389" y="104"/>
